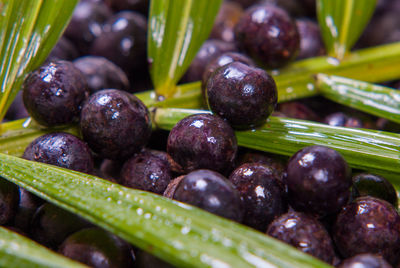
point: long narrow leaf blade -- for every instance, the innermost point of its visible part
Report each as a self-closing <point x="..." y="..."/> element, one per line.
<point x="177" y="28"/>
<point x="17" y="135"/>
<point x="28" y="29"/>
<point x="370" y="98"/>
<point x="342" y="22"/>
<point x="18" y="251"/>
<point x="178" y="233"/>
<point x="370" y="150"/>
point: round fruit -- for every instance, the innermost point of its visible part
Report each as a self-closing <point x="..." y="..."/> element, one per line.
<point x="115" y="124"/>
<point x="243" y="95"/>
<point x="53" y="94"/>
<point x="368" y="225"/>
<point x="202" y="141"/>
<point x="268" y="34"/>
<point x="318" y="180"/>
<point x="210" y="191"/>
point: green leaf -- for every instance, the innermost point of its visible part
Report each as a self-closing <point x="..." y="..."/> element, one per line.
<point x="377" y="64"/>
<point x="178" y="233"/>
<point x="28" y="31"/>
<point x="342" y="22"/>
<point x="17" y="135"/>
<point x="374" y="99"/>
<point x="177" y="29"/>
<point x="370" y="150"/>
<point x="18" y="251"/>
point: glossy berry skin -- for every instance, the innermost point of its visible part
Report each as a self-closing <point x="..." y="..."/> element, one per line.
<point x="224" y="24"/>
<point x="97" y="248"/>
<point x="202" y="141"/>
<point x="318" y="180"/>
<point x="123" y="40"/>
<point x="368" y="225"/>
<point x="210" y="191"/>
<point x="365" y="184"/>
<point x="146" y="171"/>
<point x="243" y="95"/>
<point x="60" y="149"/>
<point x="311" y="44"/>
<point x="261" y="194"/>
<point x="51" y="225"/>
<point x="101" y="73"/>
<point x="365" y="260"/>
<point x="9" y="199"/>
<point x="304" y="233"/>
<point x="222" y="60"/>
<point x="86" y="24"/>
<point x="210" y="50"/>
<point x="53" y="94"/>
<point x="268" y="34"/>
<point x="115" y="124"/>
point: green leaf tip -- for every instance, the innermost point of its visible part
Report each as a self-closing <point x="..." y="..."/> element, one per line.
<point x="177" y="29"/>
<point x="342" y="22"/>
<point x="28" y="31"/>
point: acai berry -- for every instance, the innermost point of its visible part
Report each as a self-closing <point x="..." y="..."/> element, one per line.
<point x="53" y="94"/>
<point x="243" y="95"/>
<point x="305" y="233"/>
<point x="115" y="124"/>
<point x="269" y="35"/>
<point x="210" y="191"/>
<point x="60" y="149"/>
<point x="318" y="180"/>
<point x="202" y="141"/>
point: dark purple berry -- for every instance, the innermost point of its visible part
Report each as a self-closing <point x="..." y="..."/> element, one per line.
<point x="277" y="165"/>
<point x="101" y="73"/>
<point x="304" y="233"/>
<point x="365" y="260"/>
<point x="368" y="225"/>
<point x="210" y="191"/>
<point x="123" y="40"/>
<point x="51" y="225"/>
<point x="27" y="206"/>
<point x="110" y="170"/>
<point x="86" y="24"/>
<point x="63" y="50"/>
<point x="295" y="109"/>
<point x="365" y="184"/>
<point x="115" y="124"/>
<point x="53" y="94"/>
<point x="224" y="24"/>
<point x="268" y="35"/>
<point x="210" y="50"/>
<point x="243" y="95"/>
<point x="9" y="199"/>
<point x="202" y="141"/>
<point x="311" y="44"/>
<point x="97" y="248"/>
<point x="318" y="180"/>
<point x="61" y="149"/>
<point x="340" y="119"/>
<point x="146" y="171"/>
<point x="222" y="60"/>
<point x="261" y="194"/>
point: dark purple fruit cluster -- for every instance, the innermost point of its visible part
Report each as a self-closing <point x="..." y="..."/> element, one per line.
<point x="310" y="201"/>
